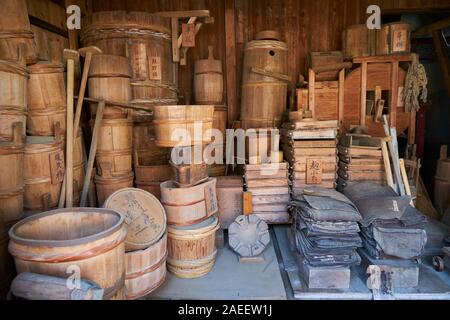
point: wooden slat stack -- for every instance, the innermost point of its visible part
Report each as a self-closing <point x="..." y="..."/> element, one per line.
<point x="360" y="159"/>
<point x="269" y="186"/>
<point x="310" y="148"/>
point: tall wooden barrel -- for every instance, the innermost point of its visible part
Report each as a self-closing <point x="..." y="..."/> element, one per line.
<point x="358" y="40"/>
<point x="183" y="125"/>
<point x="15" y="31"/>
<point x="109" y="79"/>
<point x="46" y="99"/>
<point x="208" y="80"/>
<point x="44" y="169"/>
<point x="89" y="242"/>
<point x="192" y="249"/>
<point x="11" y="178"/>
<point x="115" y="145"/>
<point x="263" y="97"/>
<point x="146" y="40"/>
<point x="394" y="38"/>
<point x="13" y="98"/>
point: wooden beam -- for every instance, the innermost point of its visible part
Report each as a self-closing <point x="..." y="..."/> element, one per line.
<point x="386" y="58"/>
<point x="230" y="43"/>
<point x="394" y="95"/>
<point x="440" y="47"/>
<point x="438" y="25"/>
<point x="312" y="92"/>
<point x="184" y="14"/>
<point x="363" y="94"/>
<point x="341" y="99"/>
<point x="175" y="32"/>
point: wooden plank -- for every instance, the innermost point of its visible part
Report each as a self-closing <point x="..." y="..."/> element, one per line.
<point x="393" y="99"/>
<point x="360" y="152"/>
<point x="359" y="167"/>
<point x="175" y="32"/>
<point x="184" y="14"/>
<point x="311" y="92"/>
<point x="247" y="203"/>
<point x="386" y="58"/>
<point x="298" y="144"/>
<point x="230" y="48"/>
<point x="267" y="183"/>
<point x="315" y="152"/>
<point x="363" y="94"/>
<point x="312" y="125"/>
<point x="266" y="174"/>
<point x="341" y="99"/>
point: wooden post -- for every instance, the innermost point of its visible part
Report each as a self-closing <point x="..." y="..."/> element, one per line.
<point x="341" y="99"/>
<point x="311" y="92"/>
<point x="92" y="152"/>
<point x="175" y="32"/>
<point x="230" y="42"/>
<point x="362" y="121"/>
<point x="387" y="165"/>
<point x="394" y="95"/>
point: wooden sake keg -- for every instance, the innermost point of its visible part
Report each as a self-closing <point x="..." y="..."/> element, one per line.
<point x="106" y="184"/>
<point x="144" y="216"/>
<point x="88" y="241"/>
<point x="358" y="41"/>
<point x="186" y="206"/>
<point x="43" y="123"/>
<point x="11" y="177"/>
<point x="183" y="125"/>
<point x="146" y="40"/>
<point x="44" y="170"/>
<point x="208" y="80"/>
<point x="115" y="145"/>
<point x="46" y="88"/>
<point x="9" y="116"/>
<point x="319" y="59"/>
<point x="230" y="199"/>
<point x="263" y="97"/>
<point x="394" y="38"/>
<point x="146" y="269"/>
<point x="442" y="182"/>
<point x="14" y="88"/>
<point x="192" y="249"/>
<point x="15" y="31"/>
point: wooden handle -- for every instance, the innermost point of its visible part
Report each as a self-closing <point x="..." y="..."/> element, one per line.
<point x="333" y="67"/>
<point x="276" y="75"/>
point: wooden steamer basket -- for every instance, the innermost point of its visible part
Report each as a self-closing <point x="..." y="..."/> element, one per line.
<point x="187" y="206"/>
<point x="90" y="239"/>
<point x="191" y="249"/>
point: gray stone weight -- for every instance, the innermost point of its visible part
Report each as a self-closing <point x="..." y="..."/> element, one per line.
<point x="248" y="236"/>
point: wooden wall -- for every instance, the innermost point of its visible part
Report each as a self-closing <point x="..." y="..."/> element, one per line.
<point x="306" y="25"/>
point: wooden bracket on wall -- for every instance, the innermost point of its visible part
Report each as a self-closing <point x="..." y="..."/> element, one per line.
<point x="180" y="46"/>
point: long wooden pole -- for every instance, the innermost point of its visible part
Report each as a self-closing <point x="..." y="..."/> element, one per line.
<point x="69" y="133"/>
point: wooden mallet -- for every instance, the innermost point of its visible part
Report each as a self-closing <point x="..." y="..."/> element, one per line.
<point x="71" y="56"/>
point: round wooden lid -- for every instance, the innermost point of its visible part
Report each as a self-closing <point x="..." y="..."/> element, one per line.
<point x="144" y="216"/>
<point x="248" y="236"/>
<point x="268" y="35"/>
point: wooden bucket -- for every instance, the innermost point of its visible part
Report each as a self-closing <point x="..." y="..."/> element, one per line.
<point x="263" y="98"/>
<point x="318" y="59"/>
<point x="14" y="88"/>
<point x="44" y="170"/>
<point x="208" y="80"/>
<point x="9" y="116"/>
<point x="15" y="30"/>
<point x="146" y="40"/>
<point x="11" y="177"/>
<point x="106" y="184"/>
<point x="115" y="145"/>
<point x="144" y="216"/>
<point x="183" y="125"/>
<point x="186" y="206"/>
<point x="46" y="88"/>
<point x="54" y="242"/>
<point x="44" y="122"/>
<point x="358" y="41"/>
<point x="394" y="38"/>
<point x="192" y="249"/>
<point x="230" y="199"/>
<point x="146" y="269"/>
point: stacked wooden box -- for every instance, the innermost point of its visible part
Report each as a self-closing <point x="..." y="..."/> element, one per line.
<point x="269" y="187"/>
<point x="310" y="148"/>
<point x="360" y="159"/>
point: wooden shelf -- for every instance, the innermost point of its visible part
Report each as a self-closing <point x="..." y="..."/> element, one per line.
<point x="386" y="58"/>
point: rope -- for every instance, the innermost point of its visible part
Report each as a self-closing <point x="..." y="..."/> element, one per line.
<point x="415" y="85"/>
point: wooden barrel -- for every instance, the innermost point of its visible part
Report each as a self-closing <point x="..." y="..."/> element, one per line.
<point x="394" y="38"/>
<point x="208" y="80"/>
<point x="146" y="269"/>
<point x="43" y="173"/>
<point x="230" y="199"/>
<point x="46" y="88"/>
<point x="146" y="40"/>
<point x="183" y="125"/>
<point x="106" y="184"/>
<point x="44" y="122"/>
<point x="61" y="242"/>
<point x="15" y="31"/>
<point x="186" y="206"/>
<point x="358" y="41"/>
<point x="11" y="178"/>
<point x="9" y="116"/>
<point x="14" y="88"/>
<point x="263" y="98"/>
<point x="325" y="58"/>
<point x="115" y="145"/>
<point x="191" y="249"/>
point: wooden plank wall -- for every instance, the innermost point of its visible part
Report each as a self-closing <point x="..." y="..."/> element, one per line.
<point x="306" y="25"/>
